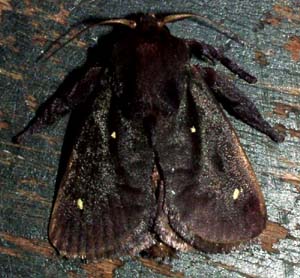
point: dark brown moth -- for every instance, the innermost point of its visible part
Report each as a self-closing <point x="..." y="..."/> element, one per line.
<point x="138" y="104"/>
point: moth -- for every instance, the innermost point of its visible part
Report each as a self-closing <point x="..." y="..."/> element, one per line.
<point x="139" y="104"/>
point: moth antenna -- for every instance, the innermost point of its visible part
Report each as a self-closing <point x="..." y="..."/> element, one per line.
<point x="91" y="23"/>
<point x="206" y="21"/>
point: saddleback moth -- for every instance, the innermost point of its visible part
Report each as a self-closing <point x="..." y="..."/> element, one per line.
<point x="139" y="105"/>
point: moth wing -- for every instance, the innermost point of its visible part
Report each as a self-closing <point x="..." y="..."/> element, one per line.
<point x="212" y="198"/>
<point x="104" y="206"/>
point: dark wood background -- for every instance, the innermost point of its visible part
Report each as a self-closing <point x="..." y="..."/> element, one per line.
<point x="28" y="172"/>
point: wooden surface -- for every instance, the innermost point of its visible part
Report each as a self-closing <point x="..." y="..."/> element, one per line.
<point x="28" y="172"/>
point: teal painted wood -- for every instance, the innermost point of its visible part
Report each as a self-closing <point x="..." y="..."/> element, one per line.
<point x="27" y="173"/>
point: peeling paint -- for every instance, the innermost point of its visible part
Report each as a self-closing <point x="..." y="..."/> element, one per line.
<point x="261" y="58"/>
<point x="270" y="19"/>
<point x="30" y="9"/>
<point x="9" y="252"/>
<point x="10" y="42"/>
<point x="36" y="150"/>
<point x="33" y="196"/>
<point x="61" y="17"/>
<point x="271" y="235"/>
<point x="287" y="12"/>
<point x="4" y="125"/>
<point x="32" y="182"/>
<point x="292" y="132"/>
<point x="10" y="74"/>
<point x="50" y="139"/>
<point x="30" y="245"/>
<point x="293" y="46"/>
<point x="161" y="268"/>
<point x="283" y="109"/>
<point x="280" y="13"/>
<point x="292" y="179"/>
<point x="294" y="91"/>
<point x="104" y="269"/>
<point x="31" y="102"/>
<point x="5" y="6"/>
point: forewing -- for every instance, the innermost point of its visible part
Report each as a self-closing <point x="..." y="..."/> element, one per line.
<point x="212" y="197"/>
<point x="104" y="205"/>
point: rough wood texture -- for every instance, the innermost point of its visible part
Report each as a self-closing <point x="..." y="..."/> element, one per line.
<point x="272" y="53"/>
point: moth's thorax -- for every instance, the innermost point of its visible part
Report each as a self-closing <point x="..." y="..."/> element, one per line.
<point x="150" y="73"/>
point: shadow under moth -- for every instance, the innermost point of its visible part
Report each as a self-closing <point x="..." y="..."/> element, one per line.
<point x="138" y="104"/>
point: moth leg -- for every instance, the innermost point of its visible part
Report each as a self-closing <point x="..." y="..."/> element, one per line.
<point x="67" y="97"/>
<point x="200" y="49"/>
<point x="237" y="104"/>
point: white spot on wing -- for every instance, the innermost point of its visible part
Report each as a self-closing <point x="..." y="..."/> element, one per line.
<point x="235" y="194"/>
<point x="193" y="129"/>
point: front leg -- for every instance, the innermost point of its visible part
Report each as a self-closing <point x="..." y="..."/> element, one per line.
<point x="237" y="104"/>
<point x="70" y="94"/>
<point x="200" y="49"/>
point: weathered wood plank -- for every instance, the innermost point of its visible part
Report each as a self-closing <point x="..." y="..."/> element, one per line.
<point x="28" y="172"/>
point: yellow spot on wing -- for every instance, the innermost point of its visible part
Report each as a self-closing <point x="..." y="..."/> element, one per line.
<point x="80" y="204"/>
<point x="114" y="135"/>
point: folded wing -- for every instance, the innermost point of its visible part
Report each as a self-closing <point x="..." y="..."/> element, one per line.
<point x="212" y="198"/>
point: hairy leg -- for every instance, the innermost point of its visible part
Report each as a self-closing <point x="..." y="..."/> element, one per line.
<point x="237" y="104"/>
<point x="201" y="49"/>
<point x="71" y="93"/>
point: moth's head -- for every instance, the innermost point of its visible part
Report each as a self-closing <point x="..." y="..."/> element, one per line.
<point x="145" y="23"/>
<point x="137" y="23"/>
